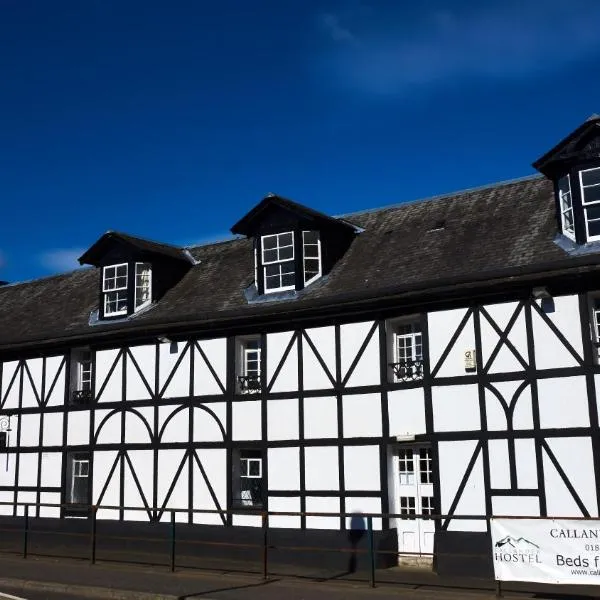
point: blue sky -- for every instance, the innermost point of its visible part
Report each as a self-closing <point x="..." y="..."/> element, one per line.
<point x="170" y="120"/>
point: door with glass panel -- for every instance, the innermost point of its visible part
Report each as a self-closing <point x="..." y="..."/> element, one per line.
<point x="413" y="495"/>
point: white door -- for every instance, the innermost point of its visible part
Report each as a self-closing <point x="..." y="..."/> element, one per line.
<point x="413" y="487"/>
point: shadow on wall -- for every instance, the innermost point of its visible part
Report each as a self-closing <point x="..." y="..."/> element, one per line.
<point x="358" y="530"/>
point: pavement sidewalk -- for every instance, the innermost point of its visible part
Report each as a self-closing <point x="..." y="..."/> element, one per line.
<point x="110" y="581"/>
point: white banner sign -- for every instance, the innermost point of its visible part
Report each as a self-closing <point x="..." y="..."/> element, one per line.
<point x="546" y="550"/>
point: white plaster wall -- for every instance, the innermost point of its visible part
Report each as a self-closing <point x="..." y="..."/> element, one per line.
<point x="145" y="357"/>
<point x="136" y="431"/>
<point x="525" y="458"/>
<point x="575" y="457"/>
<point x="109" y="388"/>
<point x="53" y="429"/>
<point x="32" y="388"/>
<point x="7" y="469"/>
<point x="456" y="408"/>
<point x="499" y="464"/>
<point x="143" y="466"/>
<point x="169" y="354"/>
<point x="362" y="415"/>
<point x="28" y="469"/>
<point x="246" y="420"/>
<point x="505" y="360"/>
<point x="454" y="458"/>
<point x="26" y="497"/>
<point x="51" y="469"/>
<point x="362" y="506"/>
<point x="442" y="326"/>
<point x="316" y="504"/>
<point x="352" y="337"/>
<point x="55" y="365"/>
<point x="30" y="429"/>
<point x="216" y="352"/>
<point x="287" y="379"/>
<point x="284" y="468"/>
<point x="206" y="427"/>
<point x="314" y="376"/>
<point x="361" y="468"/>
<point x="550" y="352"/>
<point x="243" y="520"/>
<point x="110" y="431"/>
<point x="10" y="385"/>
<point x="282" y="419"/>
<point x="320" y="418"/>
<point x="522" y="506"/>
<point x="49" y="511"/>
<point x="563" y="402"/>
<point x="168" y="463"/>
<point x="406" y="410"/>
<point x="5" y="509"/>
<point x="214" y="462"/>
<point x="176" y="429"/>
<point x="321" y="468"/>
<point x="78" y="427"/>
<point x="284" y="505"/>
<point x="103" y="462"/>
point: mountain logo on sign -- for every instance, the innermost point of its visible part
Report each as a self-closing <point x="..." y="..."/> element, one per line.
<point x="521" y="543"/>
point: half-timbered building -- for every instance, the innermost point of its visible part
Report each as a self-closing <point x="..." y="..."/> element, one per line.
<point x="436" y="356"/>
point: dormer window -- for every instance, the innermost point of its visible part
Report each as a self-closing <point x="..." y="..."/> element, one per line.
<point x="294" y="246"/>
<point x="312" y="256"/>
<point x="114" y="289"/>
<point x="143" y="285"/>
<point x="566" y="206"/>
<point x="278" y="262"/>
<point x="590" y="200"/>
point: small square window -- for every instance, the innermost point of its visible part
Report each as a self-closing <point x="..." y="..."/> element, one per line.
<point x="407" y="505"/>
<point x="248" y="478"/>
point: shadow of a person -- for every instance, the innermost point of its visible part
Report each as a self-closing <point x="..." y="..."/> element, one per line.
<point x="358" y="526"/>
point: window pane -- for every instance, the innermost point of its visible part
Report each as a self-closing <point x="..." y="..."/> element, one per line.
<point x="592" y="213"/>
<point x="288" y="280"/>
<point x="243" y="467"/>
<point x="288" y="267"/>
<point x="271" y="270"/>
<point x="254" y="469"/>
<point x="591" y="194"/>
<point x="310" y="237"/>
<point x="564" y="185"/>
<point x="590" y="177"/>
<point x="269" y="256"/>
<point x="286" y="253"/>
<point x="594" y="228"/>
<point x="273" y="283"/>
<point x="286" y="239"/>
<point x="269" y="241"/>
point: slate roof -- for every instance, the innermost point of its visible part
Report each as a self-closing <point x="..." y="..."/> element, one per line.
<point x="140" y="244"/>
<point x="496" y="231"/>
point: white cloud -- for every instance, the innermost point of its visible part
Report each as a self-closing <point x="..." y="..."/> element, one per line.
<point x="331" y="23"/>
<point x="395" y="52"/>
<point x="61" y="259"/>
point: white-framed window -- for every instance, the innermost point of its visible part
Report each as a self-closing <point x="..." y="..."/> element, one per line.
<point x="311" y="244"/>
<point x="278" y="262"/>
<point x="590" y="199"/>
<point x="565" y="199"/>
<point x="143" y="285"/>
<point x="405" y="350"/>
<point x="250" y="482"/>
<point x="81" y="376"/>
<point x="407" y="505"/>
<point x="406" y="466"/>
<point x="79" y="484"/>
<point x="114" y="288"/>
<point x="249" y="367"/>
<point x="426" y="505"/>
<point x="425" y="465"/>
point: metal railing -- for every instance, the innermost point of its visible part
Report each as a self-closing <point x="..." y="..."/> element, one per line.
<point x="263" y="549"/>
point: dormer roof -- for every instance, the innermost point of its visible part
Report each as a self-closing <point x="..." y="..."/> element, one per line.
<point x="114" y="243"/>
<point x="276" y="209"/>
<point x="581" y="145"/>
